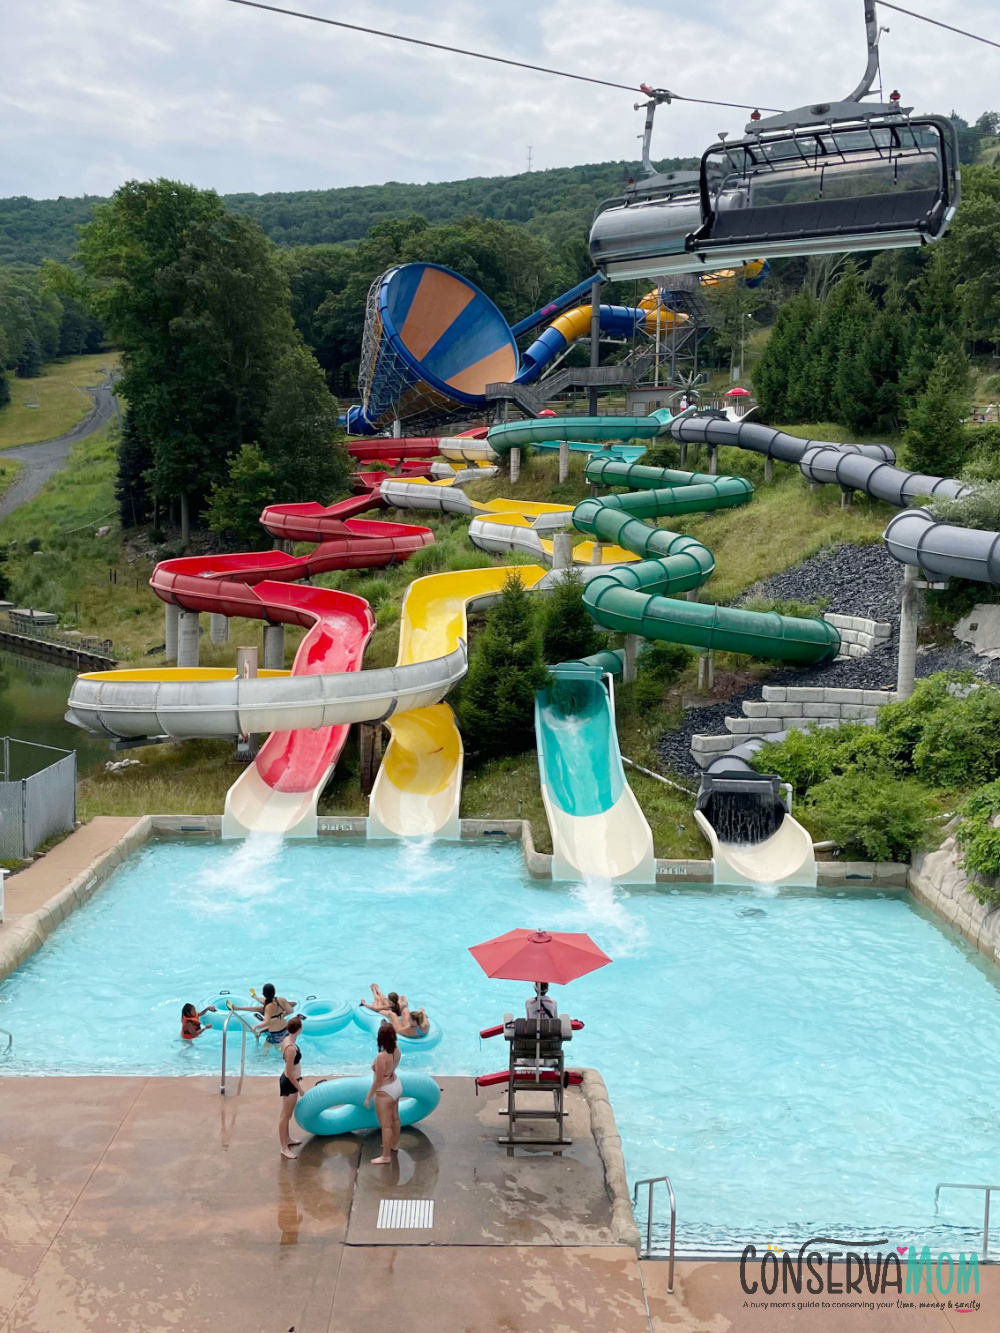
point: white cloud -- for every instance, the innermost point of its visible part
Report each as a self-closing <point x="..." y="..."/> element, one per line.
<point x="95" y="91"/>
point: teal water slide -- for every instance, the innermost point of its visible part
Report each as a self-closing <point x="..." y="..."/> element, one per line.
<point x="597" y="825"/>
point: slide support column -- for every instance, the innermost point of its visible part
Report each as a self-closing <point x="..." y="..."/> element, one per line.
<point x="188" y="633"/>
<point x="909" y="622"/>
<point x="564" y="460"/>
<point x="274" y="647"/>
<point x="706" y="673"/>
<point x="515" y="466"/>
<point x="633" y="643"/>
<point x="769" y="468"/>
<point x="219" y="628"/>
<point x="171" y="614"/>
<point x="562" y="550"/>
<point x="595" y="338"/>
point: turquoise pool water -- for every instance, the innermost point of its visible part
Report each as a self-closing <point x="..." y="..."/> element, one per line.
<point x="800" y="1064"/>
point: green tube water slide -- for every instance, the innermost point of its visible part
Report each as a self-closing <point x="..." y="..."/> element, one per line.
<point x="597" y="825"/>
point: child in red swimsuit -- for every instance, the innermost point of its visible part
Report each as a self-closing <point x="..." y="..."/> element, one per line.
<point x="191" y="1021"/>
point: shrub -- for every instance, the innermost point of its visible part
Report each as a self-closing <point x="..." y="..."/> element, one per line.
<point x="901" y="726"/>
<point x="567" y="629"/>
<point x="787" y="606"/>
<point x="960" y="744"/>
<point x="873" y="813"/>
<point x="979" y="838"/>
<point x="665" y="662"/>
<point x="980" y="508"/>
<point x="805" y="758"/>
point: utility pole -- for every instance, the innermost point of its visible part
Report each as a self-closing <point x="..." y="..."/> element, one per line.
<point x="529" y="156"/>
<point x="595" y="338"/>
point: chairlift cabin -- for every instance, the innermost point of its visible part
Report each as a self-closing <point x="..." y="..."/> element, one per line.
<point x="827" y="178"/>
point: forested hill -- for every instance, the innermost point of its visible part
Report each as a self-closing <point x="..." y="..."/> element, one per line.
<point x="548" y="203"/>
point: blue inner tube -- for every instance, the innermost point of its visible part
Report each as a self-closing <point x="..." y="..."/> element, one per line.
<point x="324" y="1017"/>
<point x="337" y="1106"/>
<point x="371" y="1022"/>
<point x="221" y="1002"/>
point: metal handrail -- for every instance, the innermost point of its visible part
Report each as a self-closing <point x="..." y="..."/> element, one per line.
<point x="954" y="1185"/>
<point x="245" y="1026"/>
<point x="10" y="1040"/>
<point x="649" y="1182"/>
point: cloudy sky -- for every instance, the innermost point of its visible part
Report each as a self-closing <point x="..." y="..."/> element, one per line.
<point x="93" y="92"/>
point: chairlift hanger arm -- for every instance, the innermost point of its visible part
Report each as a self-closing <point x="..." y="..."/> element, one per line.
<point x="656" y="97"/>
<point x="871" y="69"/>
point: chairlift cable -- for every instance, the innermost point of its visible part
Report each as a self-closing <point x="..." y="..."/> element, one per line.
<point x="987" y="41"/>
<point x="482" y="55"/>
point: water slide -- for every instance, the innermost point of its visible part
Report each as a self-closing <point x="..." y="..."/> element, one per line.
<point x="597" y="825"/>
<point x="418" y="789"/>
<point x="433" y="342"/>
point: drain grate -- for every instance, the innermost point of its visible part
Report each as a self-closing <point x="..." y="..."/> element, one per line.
<point x="405" y="1214"/>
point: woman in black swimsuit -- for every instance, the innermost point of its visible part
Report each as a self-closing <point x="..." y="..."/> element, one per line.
<point x="290" y="1084"/>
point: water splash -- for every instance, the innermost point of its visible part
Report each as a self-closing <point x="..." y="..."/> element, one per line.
<point x="604" y="907"/>
<point x="249" y="871"/>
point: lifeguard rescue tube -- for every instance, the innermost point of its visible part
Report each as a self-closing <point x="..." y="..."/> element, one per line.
<point x="573" y="1078"/>
<point x="338" y="1105"/>
<point x="222" y="1001"/>
<point x="324" y="1017"/>
<point x="371" y="1022"/>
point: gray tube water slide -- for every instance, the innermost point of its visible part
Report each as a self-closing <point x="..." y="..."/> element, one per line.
<point x="913" y="537"/>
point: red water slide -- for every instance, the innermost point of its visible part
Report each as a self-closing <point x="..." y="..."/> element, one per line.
<point x="279" y="793"/>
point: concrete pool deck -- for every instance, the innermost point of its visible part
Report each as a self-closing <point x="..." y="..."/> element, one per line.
<point x="155" y="1205"/>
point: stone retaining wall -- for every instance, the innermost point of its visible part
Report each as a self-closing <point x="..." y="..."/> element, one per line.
<point x="859" y="636"/>
<point x="938" y="880"/>
<point x="786" y="707"/>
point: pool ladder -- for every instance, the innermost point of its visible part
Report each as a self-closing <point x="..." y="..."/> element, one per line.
<point x="245" y="1028"/>
<point x="650" y="1182"/>
<point x="953" y="1185"/>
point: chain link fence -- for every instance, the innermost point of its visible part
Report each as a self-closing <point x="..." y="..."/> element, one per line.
<point x="34" y="808"/>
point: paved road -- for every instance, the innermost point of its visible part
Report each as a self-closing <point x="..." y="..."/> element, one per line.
<point x="39" y="462"/>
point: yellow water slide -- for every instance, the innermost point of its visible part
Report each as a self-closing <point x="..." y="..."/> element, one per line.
<point x="418" y="789"/>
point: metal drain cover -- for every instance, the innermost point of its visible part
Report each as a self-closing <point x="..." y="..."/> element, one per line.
<point x="405" y="1214"/>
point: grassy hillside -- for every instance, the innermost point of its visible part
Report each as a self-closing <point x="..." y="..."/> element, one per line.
<point x="53" y="403"/>
<point x="551" y="203"/>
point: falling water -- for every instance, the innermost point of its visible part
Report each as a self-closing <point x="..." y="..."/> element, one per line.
<point x="744" y="816"/>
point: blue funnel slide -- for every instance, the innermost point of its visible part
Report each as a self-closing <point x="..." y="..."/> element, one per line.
<point x="433" y="342"/>
<point x="598" y="828"/>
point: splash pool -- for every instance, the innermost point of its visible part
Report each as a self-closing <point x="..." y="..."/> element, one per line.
<point x="800" y="1064"/>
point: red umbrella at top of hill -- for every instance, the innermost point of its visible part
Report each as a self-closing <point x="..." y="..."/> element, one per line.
<point x="557" y="956"/>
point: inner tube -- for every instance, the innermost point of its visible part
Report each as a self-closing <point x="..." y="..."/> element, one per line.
<point x="371" y="1022"/>
<point x="337" y="1106"/>
<point x="222" y="1001"/>
<point x="324" y="1017"/>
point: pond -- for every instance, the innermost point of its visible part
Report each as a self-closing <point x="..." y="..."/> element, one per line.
<point x="32" y="703"/>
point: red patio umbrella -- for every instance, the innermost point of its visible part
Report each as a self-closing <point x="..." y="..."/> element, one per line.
<point x="737" y="393"/>
<point x="539" y="955"/>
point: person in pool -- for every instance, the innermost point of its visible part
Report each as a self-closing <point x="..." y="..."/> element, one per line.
<point x="394" y="1009"/>
<point x="191" y="1017"/>
<point x="381" y="1003"/>
<point x="386" y="1089"/>
<point x="273" y="1012"/>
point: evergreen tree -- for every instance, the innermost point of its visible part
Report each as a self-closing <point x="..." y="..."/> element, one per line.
<point x="567" y="629"/>
<point x="235" y="505"/>
<point x="780" y="362"/>
<point x="937" y="327"/>
<point x="135" y="459"/>
<point x="4" y="387"/>
<point x="883" y="360"/>
<point x="934" y="440"/>
<point x="497" y="708"/>
<point x="300" y="432"/>
<point x="832" y="336"/>
<point x="29" y="363"/>
<point x="852" y="400"/>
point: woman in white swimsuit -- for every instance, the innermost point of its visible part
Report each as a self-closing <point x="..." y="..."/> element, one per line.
<point x="387" y="1089"/>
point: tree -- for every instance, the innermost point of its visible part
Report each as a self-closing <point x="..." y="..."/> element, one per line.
<point x="937" y="326"/>
<point x="199" y="304"/>
<point x="29" y="363"/>
<point x="4" y="387"/>
<point x="877" y="404"/>
<point x="934" y="441"/>
<point x="781" y="362"/>
<point x="300" y="432"/>
<point x="567" y="629"/>
<point x="135" y="460"/>
<point x="497" y="707"/>
<point x="236" y="504"/>
<point x="731" y="305"/>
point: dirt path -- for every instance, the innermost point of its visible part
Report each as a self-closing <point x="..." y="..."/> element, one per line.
<point x="39" y="462"/>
